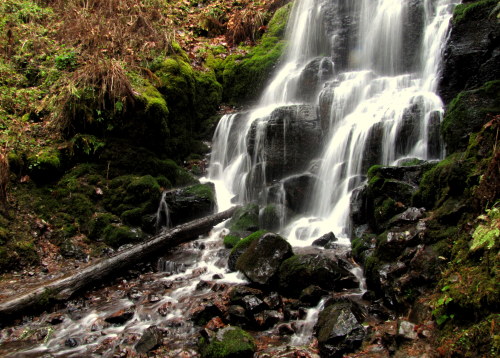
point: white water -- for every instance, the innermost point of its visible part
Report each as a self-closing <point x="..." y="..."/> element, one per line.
<point x="377" y="98"/>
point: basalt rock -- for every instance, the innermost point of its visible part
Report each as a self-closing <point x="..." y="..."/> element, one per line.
<point x="151" y="338"/>
<point x="339" y="329"/>
<point x="314" y="74"/>
<point x="289" y="130"/>
<point x="301" y="271"/>
<point x="261" y="261"/>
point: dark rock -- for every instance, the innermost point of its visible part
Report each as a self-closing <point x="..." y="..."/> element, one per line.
<point x="121" y="316"/>
<point x="71" y="342"/>
<point x="314" y="74"/>
<point x="273" y="300"/>
<point x="408" y="130"/>
<point x="285" y="329"/>
<point x="151" y="338"/>
<point x="399" y="239"/>
<point x="262" y="260"/>
<point x="55" y="319"/>
<point x="268" y="318"/>
<point x="272" y="216"/>
<point x="312" y="295"/>
<point x="434" y="146"/>
<point x="253" y="304"/>
<point x="236" y="315"/>
<point x="204" y="313"/>
<point x="245" y="220"/>
<point x="237" y="293"/>
<point x="288" y="131"/>
<point x="325" y="240"/>
<point x="301" y="271"/>
<point x="293" y="192"/>
<point x="472" y="55"/>
<point x="339" y="329"/>
<point x="372" y="153"/>
<point x="190" y="203"/>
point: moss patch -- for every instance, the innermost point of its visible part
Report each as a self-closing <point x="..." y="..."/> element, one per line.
<point x="229" y="342"/>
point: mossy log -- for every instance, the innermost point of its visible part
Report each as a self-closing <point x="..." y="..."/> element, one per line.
<point x="63" y="288"/>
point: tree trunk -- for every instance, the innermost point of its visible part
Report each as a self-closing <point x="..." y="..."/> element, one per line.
<point x="62" y="289"/>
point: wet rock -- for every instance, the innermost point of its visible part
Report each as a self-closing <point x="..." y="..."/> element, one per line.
<point x="268" y="318"/>
<point x="236" y="315"/>
<point x="273" y="300"/>
<point x="71" y="342"/>
<point x="227" y="343"/>
<point x="294" y="191"/>
<point x="134" y="294"/>
<point x="325" y="240"/>
<point x="215" y="324"/>
<point x="237" y="293"/>
<point x="55" y="319"/>
<point x="261" y="261"/>
<point x="398" y="239"/>
<point x="203" y="313"/>
<point x="271" y="216"/>
<point x="165" y="308"/>
<point x="314" y="74"/>
<point x="301" y="271"/>
<point x="152" y="298"/>
<point x="312" y="295"/>
<point x="285" y="329"/>
<point x="121" y="316"/>
<point x="289" y="130"/>
<point x="151" y="338"/>
<point x="190" y="203"/>
<point x="408" y="216"/>
<point x="339" y="329"/>
<point x="471" y="56"/>
<point x="253" y="304"/>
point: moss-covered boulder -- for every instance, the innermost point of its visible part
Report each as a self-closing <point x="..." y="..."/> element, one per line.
<point x="261" y="261"/>
<point x="45" y="165"/>
<point x="117" y="235"/>
<point x="240" y="247"/>
<point x="245" y="220"/>
<point x="300" y="271"/>
<point x="191" y="202"/>
<point x="467" y="113"/>
<point x="230" y="342"/>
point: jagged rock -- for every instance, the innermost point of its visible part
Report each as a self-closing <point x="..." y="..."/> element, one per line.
<point x="397" y="240"/>
<point x="408" y="216"/>
<point x="151" y="338"/>
<point x="325" y="241"/>
<point x="311" y="295"/>
<point x="339" y="329"/>
<point x="289" y="130"/>
<point x="261" y="261"/>
<point x="253" y="304"/>
<point x="205" y="312"/>
<point x="121" y="316"/>
<point x="273" y="300"/>
<point x="268" y="318"/>
<point x="471" y="56"/>
<point x="301" y="271"/>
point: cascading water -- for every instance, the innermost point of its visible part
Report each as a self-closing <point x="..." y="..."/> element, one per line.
<point x="375" y="95"/>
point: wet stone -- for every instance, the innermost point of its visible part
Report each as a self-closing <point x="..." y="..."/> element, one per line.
<point x="253" y="304"/>
<point x="204" y="313"/>
<point x="152" y="298"/>
<point x="150" y="339"/>
<point x="121" y="316"/>
<point x="236" y="315"/>
<point x="273" y="300"/>
<point x="71" y="342"/>
<point x="312" y="295"/>
<point x="325" y="240"/>
<point x="407" y="330"/>
<point x="267" y="319"/>
<point x="285" y="329"/>
<point x="55" y="319"/>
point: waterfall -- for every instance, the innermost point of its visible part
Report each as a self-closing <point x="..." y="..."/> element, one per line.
<point x="162" y="218"/>
<point x="368" y="83"/>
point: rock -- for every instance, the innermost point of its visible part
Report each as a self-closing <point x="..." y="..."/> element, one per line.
<point x="407" y="330"/>
<point x="190" y="203"/>
<point x="294" y="193"/>
<point x="312" y="77"/>
<point x="253" y="304"/>
<point x="151" y="338"/>
<point x="215" y="324"/>
<point x="471" y="56"/>
<point x="121" y="316"/>
<point x="236" y="315"/>
<point x="241" y="247"/>
<point x="289" y="130"/>
<point x="301" y="271"/>
<point x="325" y="240"/>
<point x="261" y="261"/>
<point x="71" y="342"/>
<point x="268" y="318"/>
<point x="339" y="329"/>
<point x="408" y="216"/>
<point x="229" y="342"/>
<point x="312" y="295"/>
<point x="203" y="313"/>
<point x="397" y="240"/>
<point x="273" y="300"/>
<point x="272" y="216"/>
<point x="285" y="329"/>
<point x="55" y="319"/>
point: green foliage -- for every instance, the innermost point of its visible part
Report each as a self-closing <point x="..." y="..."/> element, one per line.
<point x="231" y="240"/>
<point x="486" y="234"/>
<point x="471" y="9"/>
<point x="66" y="61"/>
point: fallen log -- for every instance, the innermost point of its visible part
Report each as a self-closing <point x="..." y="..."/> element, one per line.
<point x="63" y="288"/>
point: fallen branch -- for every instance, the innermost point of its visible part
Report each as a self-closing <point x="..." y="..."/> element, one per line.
<point x="62" y="289"/>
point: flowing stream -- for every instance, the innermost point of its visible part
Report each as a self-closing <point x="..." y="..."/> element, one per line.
<point x="364" y="72"/>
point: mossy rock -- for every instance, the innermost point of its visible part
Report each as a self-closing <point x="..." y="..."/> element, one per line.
<point x="241" y="246"/>
<point x="229" y="342"/>
<point x="99" y="222"/>
<point x="117" y="235"/>
<point x="230" y="241"/>
<point x="45" y="166"/>
<point x="473" y="9"/>
<point x="245" y="219"/>
<point x="467" y="113"/>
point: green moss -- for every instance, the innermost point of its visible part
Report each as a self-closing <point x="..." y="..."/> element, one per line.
<point x="99" y="222"/>
<point x="373" y="171"/>
<point x="472" y="9"/>
<point x="243" y="244"/>
<point x="245" y="219"/>
<point x="118" y="235"/>
<point x="234" y="342"/>
<point x="45" y="165"/>
<point x="204" y="191"/>
<point x="231" y="240"/>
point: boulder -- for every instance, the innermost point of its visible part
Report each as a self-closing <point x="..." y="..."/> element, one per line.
<point x="325" y="241"/>
<point x="190" y="203"/>
<point x="301" y="271"/>
<point x="228" y="342"/>
<point x="339" y="329"/>
<point x="312" y="77"/>
<point x="151" y="338"/>
<point x="472" y="55"/>
<point x="121" y="316"/>
<point x="288" y="130"/>
<point x="262" y="259"/>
